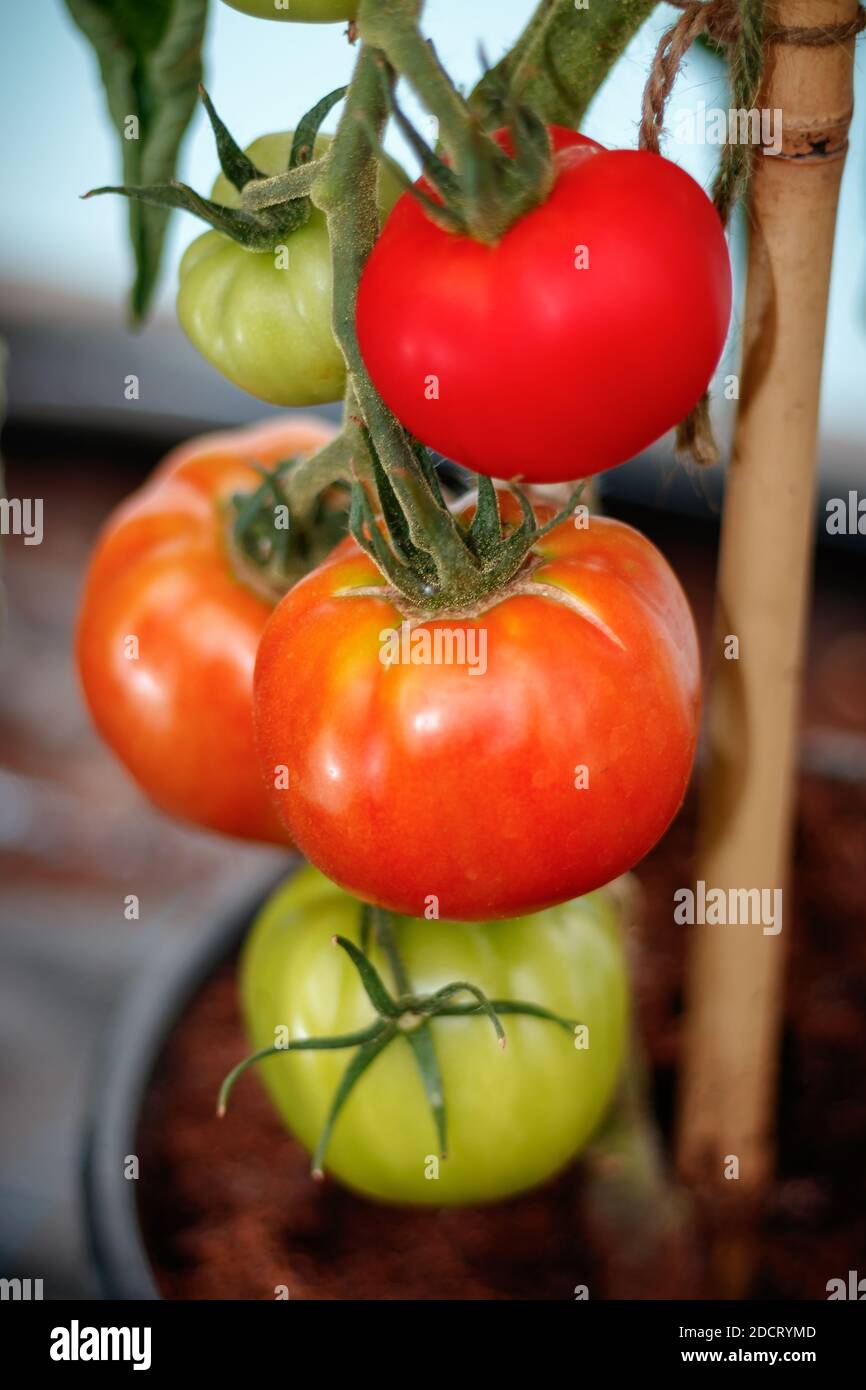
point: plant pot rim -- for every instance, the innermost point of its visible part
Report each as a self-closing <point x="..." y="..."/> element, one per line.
<point x="140" y="1025"/>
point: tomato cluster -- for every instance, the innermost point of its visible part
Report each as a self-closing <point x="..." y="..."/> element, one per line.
<point x="470" y="776"/>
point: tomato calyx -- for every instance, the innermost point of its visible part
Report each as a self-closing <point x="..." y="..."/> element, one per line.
<point x="399" y="1013"/>
<point x="272" y="543"/>
<point x="479" y="190"/>
<point x="261" y="223"/>
<point x="460" y="566"/>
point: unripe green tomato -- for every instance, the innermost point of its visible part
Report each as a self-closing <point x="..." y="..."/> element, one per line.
<point x="263" y="318"/>
<point x="515" y="1116"/>
<point x="303" y="11"/>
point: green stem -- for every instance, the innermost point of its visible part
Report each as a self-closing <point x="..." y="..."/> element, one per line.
<point x="422" y="549"/>
<point x="561" y="59"/>
<point x="345" y="191"/>
<point x="494" y="189"/>
<point x="387" y="939"/>
<point x="342" y="459"/>
<point x="392" y="27"/>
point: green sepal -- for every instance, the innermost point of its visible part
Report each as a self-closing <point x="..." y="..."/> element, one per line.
<point x="487" y="179"/>
<point x="249" y="230"/>
<point x="436" y="171"/>
<point x="356" y="1039"/>
<point x="272" y="208"/>
<point x="370" y="979"/>
<point x="386" y="939"/>
<point x="304" y="140"/>
<point x="482" y="1005"/>
<point x="485" y="533"/>
<point x="253" y="526"/>
<point x="528" y="522"/>
<point x="363" y="527"/>
<point x="398" y="528"/>
<point x="562" y="515"/>
<point x="235" y="164"/>
<point x="510" y="554"/>
<point x="423" y="1047"/>
<point x="532" y="152"/>
<point x="508" y="1006"/>
<point x="363" y="1058"/>
<point x="428" y="468"/>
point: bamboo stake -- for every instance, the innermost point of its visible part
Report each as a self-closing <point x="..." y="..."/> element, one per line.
<point x="734" y="978"/>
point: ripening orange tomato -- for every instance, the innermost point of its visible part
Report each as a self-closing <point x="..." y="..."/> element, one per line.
<point x="167" y="633"/>
<point x="491" y="762"/>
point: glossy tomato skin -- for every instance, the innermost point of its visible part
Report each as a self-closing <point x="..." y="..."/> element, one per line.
<point x="591" y="328"/>
<point x="263" y="318"/>
<point x="515" y="1116"/>
<point x="179" y="714"/>
<point x="303" y="11"/>
<point x="417" y="783"/>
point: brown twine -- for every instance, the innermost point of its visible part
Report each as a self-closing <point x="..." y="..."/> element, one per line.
<point x="721" y="21"/>
<point x="819" y="34"/>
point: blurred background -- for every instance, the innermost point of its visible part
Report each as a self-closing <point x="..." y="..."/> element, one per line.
<point x="74" y="831"/>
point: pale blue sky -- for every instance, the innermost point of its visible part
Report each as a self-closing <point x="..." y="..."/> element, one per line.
<point x="58" y="143"/>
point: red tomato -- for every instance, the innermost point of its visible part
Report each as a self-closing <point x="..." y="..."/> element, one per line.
<point x="177" y="710"/>
<point x="590" y="329"/>
<point x="430" y="787"/>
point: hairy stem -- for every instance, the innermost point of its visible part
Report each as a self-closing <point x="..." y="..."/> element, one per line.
<point x="340" y="460"/>
<point x="346" y="192"/>
<point x="561" y="59"/>
<point x="392" y="27"/>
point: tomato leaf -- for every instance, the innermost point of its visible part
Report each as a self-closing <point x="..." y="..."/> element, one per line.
<point x="150" y="60"/>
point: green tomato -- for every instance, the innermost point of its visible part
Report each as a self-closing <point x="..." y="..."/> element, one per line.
<point x="263" y="318"/>
<point x="305" y="11"/>
<point x="515" y="1116"/>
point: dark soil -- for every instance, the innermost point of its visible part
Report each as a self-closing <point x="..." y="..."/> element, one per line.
<point x="229" y="1209"/>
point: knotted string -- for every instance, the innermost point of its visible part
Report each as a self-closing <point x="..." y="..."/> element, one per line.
<point x="738" y="26"/>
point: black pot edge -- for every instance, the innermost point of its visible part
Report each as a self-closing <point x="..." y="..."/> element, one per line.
<point x="140" y="1026"/>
